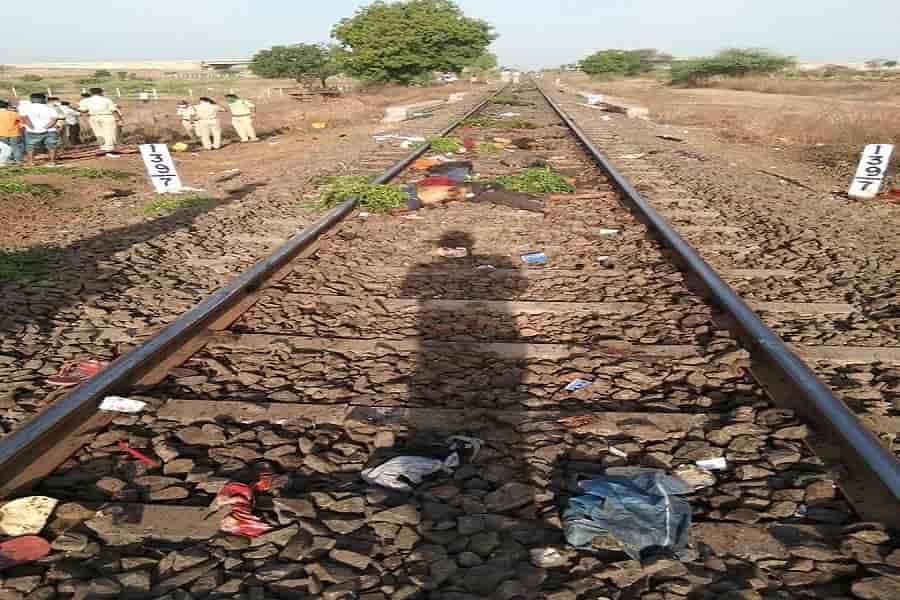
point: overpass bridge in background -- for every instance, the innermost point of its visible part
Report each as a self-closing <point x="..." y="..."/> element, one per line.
<point x="225" y="64"/>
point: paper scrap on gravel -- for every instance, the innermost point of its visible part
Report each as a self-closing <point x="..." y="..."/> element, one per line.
<point x="122" y="405"/>
<point x="26" y="516"/>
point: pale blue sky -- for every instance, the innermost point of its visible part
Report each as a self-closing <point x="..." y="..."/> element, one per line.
<point x="533" y="33"/>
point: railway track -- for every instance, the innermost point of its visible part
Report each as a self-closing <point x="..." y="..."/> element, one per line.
<point x="362" y="338"/>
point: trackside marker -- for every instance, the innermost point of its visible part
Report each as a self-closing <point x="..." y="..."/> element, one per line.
<point x="870" y="174"/>
<point x="161" y="168"/>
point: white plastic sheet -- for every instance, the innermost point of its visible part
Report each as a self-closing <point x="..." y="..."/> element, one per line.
<point x="395" y="473"/>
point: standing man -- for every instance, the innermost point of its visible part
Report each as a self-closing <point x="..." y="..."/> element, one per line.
<point x="40" y="129"/>
<point x="242" y="113"/>
<point x="11" y="124"/>
<point x="187" y="114"/>
<point x="208" y="128"/>
<point x="105" y="117"/>
<point x="72" y="127"/>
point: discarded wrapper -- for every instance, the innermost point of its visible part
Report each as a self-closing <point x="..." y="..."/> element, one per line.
<point x="609" y="232"/>
<point x="578" y="384"/>
<point x="239" y="499"/>
<point x="26" y="516"/>
<point x="535" y="258"/>
<point x="22" y="550"/>
<point x="616" y="452"/>
<point x="461" y="252"/>
<point x="713" y="464"/>
<point x="122" y="405"/>
<point x="395" y="473"/>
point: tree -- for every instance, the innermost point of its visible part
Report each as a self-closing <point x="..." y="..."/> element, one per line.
<point x="890" y="64"/>
<point x="301" y="62"/>
<point x="734" y="62"/>
<point x="402" y="41"/>
<point x="607" y="63"/>
<point x="102" y="74"/>
<point x="874" y="63"/>
<point x="484" y="63"/>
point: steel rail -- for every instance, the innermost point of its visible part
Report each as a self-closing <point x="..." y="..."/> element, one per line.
<point x="28" y="443"/>
<point x="876" y="492"/>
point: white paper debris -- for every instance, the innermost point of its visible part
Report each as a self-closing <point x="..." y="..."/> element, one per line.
<point x="123" y="405"/>
<point x="620" y="453"/>
<point x="578" y="384"/>
<point x="609" y="232"/>
<point x="713" y="464"/>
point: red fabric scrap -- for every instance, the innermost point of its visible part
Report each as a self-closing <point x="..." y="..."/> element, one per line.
<point x="436" y="180"/>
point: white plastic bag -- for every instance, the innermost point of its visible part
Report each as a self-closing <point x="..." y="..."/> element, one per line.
<point x="395" y="473"/>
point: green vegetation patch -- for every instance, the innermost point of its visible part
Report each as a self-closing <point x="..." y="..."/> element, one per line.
<point x="734" y="62"/>
<point x="486" y="148"/>
<point x="166" y="204"/>
<point x="510" y="101"/>
<point x="445" y="145"/>
<point x="536" y="181"/>
<point x="336" y="189"/>
<point x="86" y="172"/>
<point x="12" y="187"/>
<point x="23" y="263"/>
<point x="495" y="123"/>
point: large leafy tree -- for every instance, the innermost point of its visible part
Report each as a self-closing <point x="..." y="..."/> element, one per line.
<point x="616" y="62"/>
<point x="302" y="62"/>
<point x="404" y="41"/>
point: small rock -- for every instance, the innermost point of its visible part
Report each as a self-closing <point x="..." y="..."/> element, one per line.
<point x="468" y="559"/>
<point x="406" y="514"/>
<point x="547" y="558"/>
<point x="358" y="561"/>
<point x="511" y="496"/>
<point x="299" y="547"/>
<point x="876" y="588"/>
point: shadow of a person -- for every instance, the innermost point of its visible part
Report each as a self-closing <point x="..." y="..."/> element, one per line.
<point x="478" y="524"/>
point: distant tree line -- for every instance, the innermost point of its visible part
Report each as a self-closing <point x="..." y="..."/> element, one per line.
<point x="388" y="42"/>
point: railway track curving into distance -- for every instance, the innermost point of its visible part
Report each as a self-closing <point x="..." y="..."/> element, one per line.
<point x="360" y="337"/>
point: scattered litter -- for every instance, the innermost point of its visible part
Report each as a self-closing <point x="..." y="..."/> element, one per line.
<point x="180" y="147"/>
<point x="633" y="156"/>
<point x="22" y="550"/>
<point x="485" y="268"/>
<point x="603" y="259"/>
<point x="606" y="118"/>
<point x="457" y="171"/>
<point x="123" y="405"/>
<point x="535" y="258"/>
<point x="231" y="171"/>
<point x="423" y="164"/>
<point x="616" y="452"/>
<point x="609" y="231"/>
<point x="319" y="125"/>
<point x="594" y="99"/>
<point x="238" y="499"/>
<point x="670" y="138"/>
<point x="547" y="558"/>
<point x="510" y="115"/>
<point x="75" y="373"/>
<point x="467" y="442"/>
<point x="713" y="464"/>
<point x="138" y="454"/>
<point x="395" y="473"/>
<point x="364" y="215"/>
<point x="274" y="143"/>
<point x="638" y="512"/>
<point x="460" y="252"/>
<point x="578" y="384"/>
<point x="434" y="180"/>
<point x="383" y="137"/>
<point x="26" y="516"/>
<point x="690" y="154"/>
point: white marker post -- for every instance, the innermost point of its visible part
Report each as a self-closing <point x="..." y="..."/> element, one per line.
<point x="161" y="168"/>
<point x="870" y="174"/>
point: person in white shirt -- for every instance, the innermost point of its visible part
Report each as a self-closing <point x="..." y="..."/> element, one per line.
<point x="72" y="128"/>
<point x="42" y="128"/>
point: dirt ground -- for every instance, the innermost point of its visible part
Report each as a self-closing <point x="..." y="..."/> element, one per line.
<point x="826" y="130"/>
<point x="289" y="145"/>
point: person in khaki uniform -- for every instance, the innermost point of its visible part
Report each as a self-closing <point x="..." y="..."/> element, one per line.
<point x="242" y="113"/>
<point x="206" y="117"/>
<point x="187" y="113"/>
<point x="104" y="118"/>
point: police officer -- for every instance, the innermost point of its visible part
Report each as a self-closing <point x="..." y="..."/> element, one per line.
<point x="242" y="113"/>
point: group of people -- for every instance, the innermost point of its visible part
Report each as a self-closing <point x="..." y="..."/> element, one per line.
<point x="201" y="120"/>
<point x="48" y="122"/>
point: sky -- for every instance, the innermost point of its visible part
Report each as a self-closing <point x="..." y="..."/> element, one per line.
<point x="533" y="33"/>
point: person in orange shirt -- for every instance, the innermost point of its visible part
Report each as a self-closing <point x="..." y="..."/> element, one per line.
<point x="11" y="124"/>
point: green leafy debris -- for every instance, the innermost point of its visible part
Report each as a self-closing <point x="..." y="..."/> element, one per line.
<point x="336" y="189"/>
<point x="11" y="187"/>
<point x="86" y="172"/>
<point x="445" y="145"/>
<point x="495" y="123"/>
<point x="536" y="181"/>
<point x="22" y="263"/>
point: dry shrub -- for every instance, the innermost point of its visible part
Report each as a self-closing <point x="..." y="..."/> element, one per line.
<point x="856" y="90"/>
